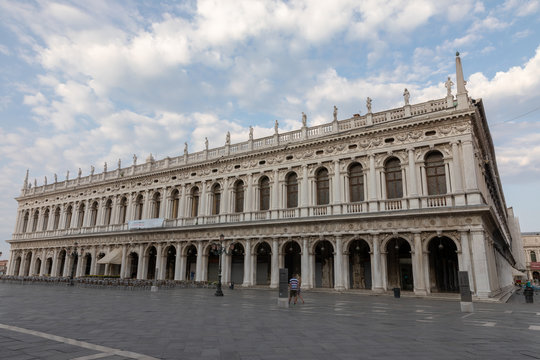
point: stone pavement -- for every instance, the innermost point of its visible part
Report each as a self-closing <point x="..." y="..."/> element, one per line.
<point x="57" y="322"/>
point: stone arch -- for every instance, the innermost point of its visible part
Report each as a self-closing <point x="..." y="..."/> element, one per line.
<point x="291" y="251"/>
<point x="37" y="266"/>
<point x="237" y="249"/>
<point x="48" y="266"/>
<point x="359" y="263"/>
<point x="443" y="264"/>
<point x="397" y="251"/>
<point x="169" y="254"/>
<point x="17" y="267"/>
<point x="87" y="264"/>
<point x="323" y="251"/>
<point x="190" y="251"/>
<point x="133" y="263"/>
<point x="263" y="262"/>
<point x="150" y="255"/>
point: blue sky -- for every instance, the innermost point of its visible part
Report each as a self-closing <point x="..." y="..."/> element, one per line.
<point x="83" y="83"/>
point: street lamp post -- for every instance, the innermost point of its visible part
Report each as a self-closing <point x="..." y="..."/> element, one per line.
<point x="218" y="249"/>
<point x="73" y="254"/>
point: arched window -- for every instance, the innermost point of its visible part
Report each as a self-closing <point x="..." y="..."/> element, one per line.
<point x="175" y="198"/>
<point x="394" y="185"/>
<point x="56" y="218"/>
<point x="35" y="222"/>
<point x="195" y="202"/>
<point x="139" y="207"/>
<point x="292" y="190"/>
<point x="69" y="214"/>
<point x="435" y="173"/>
<point x="123" y="210"/>
<point x="93" y="213"/>
<point x="80" y="217"/>
<point x="323" y="187"/>
<point x="108" y="212"/>
<point x="356" y="183"/>
<point x="156" y="204"/>
<point x="533" y="256"/>
<point x="239" y="197"/>
<point x="45" y="219"/>
<point x="25" y="222"/>
<point x="216" y="199"/>
<point x="264" y="193"/>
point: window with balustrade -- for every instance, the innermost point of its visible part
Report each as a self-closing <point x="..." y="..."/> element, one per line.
<point x="323" y="187"/>
<point x="239" y="196"/>
<point x="356" y="183"/>
<point x="264" y="193"/>
<point x="292" y="190"/>
<point x="435" y="174"/>
<point x="216" y="199"/>
<point x="394" y="181"/>
<point x="195" y="202"/>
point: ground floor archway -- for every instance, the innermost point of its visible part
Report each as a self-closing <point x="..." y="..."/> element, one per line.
<point x="263" y="264"/>
<point x="293" y="258"/>
<point x="399" y="264"/>
<point x="324" y="264"/>
<point x="443" y="265"/>
<point x="359" y="265"/>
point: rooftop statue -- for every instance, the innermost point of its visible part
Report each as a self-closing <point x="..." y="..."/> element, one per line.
<point x="406" y="96"/>
<point x="206" y="143"/>
<point x="304" y="119"/>
<point x="134" y="159"/>
<point x="228" y="138"/>
<point x="276" y="125"/>
<point x="251" y="133"/>
<point x="448" y="84"/>
<point x="185" y="148"/>
<point x="335" y="113"/>
<point x="368" y="104"/>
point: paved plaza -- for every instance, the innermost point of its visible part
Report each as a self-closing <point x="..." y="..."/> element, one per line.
<point x="60" y="322"/>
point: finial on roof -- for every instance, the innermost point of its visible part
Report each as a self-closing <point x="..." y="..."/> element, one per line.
<point x="457" y="53"/>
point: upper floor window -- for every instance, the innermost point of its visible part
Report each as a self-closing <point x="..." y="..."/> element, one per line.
<point x="108" y="212"/>
<point x="69" y="214"/>
<point x="139" y="207"/>
<point x="45" y="219"/>
<point x="195" y="202"/>
<point x="156" y="204"/>
<point x="264" y="192"/>
<point x="80" y="217"/>
<point x="56" y="221"/>
<point x="25" y="222"/>
<point x="356" y="183"/>
<point x="533" y="256"/>
<point x="292" y="190"/>
<point x="175" y="199"/>
<point x="323" y="187"/>
<point x="239" y="197"/>
<point x="35" y="222"/>
<point x="435" y="173"/>
<point x="93" y="213"/>
<point x="394" y="184"/>
<point x="216" y="199"/>
<point x="123" y="210"/>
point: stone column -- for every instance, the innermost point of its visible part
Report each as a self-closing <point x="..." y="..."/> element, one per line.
<point x="249" y="196"/>
<point x="274" y="270"/>
<point x="376" y="264"/>
<point x="307" y="280"/>
<point x="338" y="281"/>
<point x="337" y="188"/>
<point x="179" y="264"/>
<point x="372" y="185"/>
<point x="123" y="266"/>
<point x="275" y="195"/>
<point x="203" y="200"/>
<point x="457" y="175"/>
<point x="11" y="262"/>
<point x="413" y="184"/>
<point x="469" y="166"/>
<point x="159" y="262"/>
<point x="225" y="196"/>
<point x="130" y="208"/>
<point x="304" y="192"/>
<point x="146" y="205"/>
<point x="93" y="265"/>
<point x="418" y="266"/>
<point x="140" y="265"/>
<point x="247" y="264"/>
<point x="43" y="262"/>
<point x="464" y="258"/>
<point x="199" y="270"/>
<point x="480" y="264"/>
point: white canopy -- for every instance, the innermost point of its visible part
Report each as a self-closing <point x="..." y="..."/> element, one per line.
<point x="516" y="272"/>
<point x="114" y="257"/>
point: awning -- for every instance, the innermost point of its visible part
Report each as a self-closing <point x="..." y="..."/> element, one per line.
<point x="114" y="257"/>
<point x="515" y="272"/>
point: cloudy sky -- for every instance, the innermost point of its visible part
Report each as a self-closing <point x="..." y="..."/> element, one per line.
<point x="88" y="82"/>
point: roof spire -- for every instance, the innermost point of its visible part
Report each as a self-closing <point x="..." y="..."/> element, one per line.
<point x="462" y="98"/>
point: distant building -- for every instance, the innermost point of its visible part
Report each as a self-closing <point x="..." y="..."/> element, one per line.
<point x="404" y="198"/>
<point x="3" y="267"/>
<point x="531" y="250"/>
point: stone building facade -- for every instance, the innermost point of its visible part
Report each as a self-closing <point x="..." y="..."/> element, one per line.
<point x="400" y="198"/>
<point x="531" y="251"/>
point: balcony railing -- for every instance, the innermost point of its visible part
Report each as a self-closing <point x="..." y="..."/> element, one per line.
<point x="364" y="207"/>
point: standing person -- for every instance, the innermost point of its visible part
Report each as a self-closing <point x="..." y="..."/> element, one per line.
<point x="299" y="292"/>
<point x="293" y="289"/>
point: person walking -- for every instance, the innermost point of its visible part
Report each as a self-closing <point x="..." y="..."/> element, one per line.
<point x="293" y="289"/>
